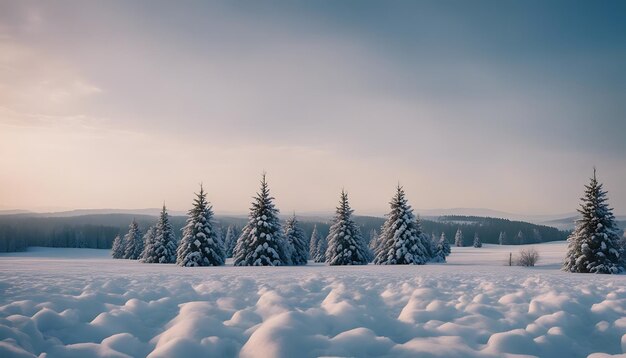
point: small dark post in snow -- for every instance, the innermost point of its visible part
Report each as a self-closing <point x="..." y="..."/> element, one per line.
<point x="510" y="259"/>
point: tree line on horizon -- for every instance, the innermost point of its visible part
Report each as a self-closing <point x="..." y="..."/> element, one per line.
<point x="97" y="231"/>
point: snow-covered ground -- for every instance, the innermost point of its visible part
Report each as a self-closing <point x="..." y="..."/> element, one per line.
<point x="80" y="303"/>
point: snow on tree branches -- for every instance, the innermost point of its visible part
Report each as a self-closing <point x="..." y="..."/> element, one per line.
<point x="458" y="238"/>
<point x="261" y="242"/>
<point x="133" y="242"/>
<point x="315" y="237"/>
<point x="117" y="250"/>
<point x="346" y="245"/>
<point x="296" y="238"/>
<point x="200" y="245"/>
<point x="230" y="240"/>
<point x="593" y="246"/>
<point x="442" y="249"/>
<point x="401" y="240"/>
<point x="477" y="242"/>
<point x="161" y="248"/>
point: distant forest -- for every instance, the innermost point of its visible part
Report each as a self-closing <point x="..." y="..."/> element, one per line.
<point x="17" y="232"/>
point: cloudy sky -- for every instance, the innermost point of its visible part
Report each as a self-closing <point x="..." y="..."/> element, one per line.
<point x="505" y="105"/>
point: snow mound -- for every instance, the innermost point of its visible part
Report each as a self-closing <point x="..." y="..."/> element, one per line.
<point x="51" y="306"/>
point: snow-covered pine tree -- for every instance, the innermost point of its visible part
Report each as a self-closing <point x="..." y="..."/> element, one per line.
<point x="458" y="238"/>
<point x="502" y="238"/>
<point x="117" y="250"/>
<point x="230" y="240"/>
<point x="133" y="242"/>
<point x="477" y="242"/>
<point x="320" y="250"/>
<point x="521" y="239"/>
<point x="431" y="243"/>
<point x="219" y="234"/>
<point x="261" y="242"/>
<point x="295" y="236"/>
<point x="315" y="237"/>
<point x="200" y="244"/>
<point x="442" y="249"/>
<point x="594" y="247"/>
<point x="445" y="245"/>
<point x="162" y="249"/>
<point x="346" y="246"/>
<point x="401" y="240"/>
<point x="148" y="243"/>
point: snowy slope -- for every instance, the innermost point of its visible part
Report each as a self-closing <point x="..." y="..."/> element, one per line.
<point x="79" y="303"/>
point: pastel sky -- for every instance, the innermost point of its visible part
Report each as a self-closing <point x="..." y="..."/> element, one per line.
<point x="505" y="105"/>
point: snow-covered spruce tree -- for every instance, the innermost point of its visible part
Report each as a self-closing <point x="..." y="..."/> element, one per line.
<point x="162" y="247"/>
<point x="320" y="250"/>
<point x="521" y="239"/>
<point x="117" y="250"/>
<point x="200" y="244"/>
<point x="458" y="238"/>
<point x="346" y="245"/>
<point x="442" y="249"/>
<point x="477" y="242"/>
<point x="133" y="242"/>
<point x="401" y="240"/>
<point x="261" y="242"/>
<point x="295" y="236"/>
<point x="502" y="238"/>
<point x="594" y="247"/>
<point x="315" y="237"/>
<point x="148" y="243"/>
<point x="230" y="240"/>
<point x="219" y="234"/>
<point x="445" y="245"/>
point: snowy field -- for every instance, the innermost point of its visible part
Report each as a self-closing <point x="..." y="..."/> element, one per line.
<point x="80" y="303"/>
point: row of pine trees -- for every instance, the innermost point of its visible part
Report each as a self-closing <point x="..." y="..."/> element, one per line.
<point x="265" y="242"/>
<point x="593" y="247"/>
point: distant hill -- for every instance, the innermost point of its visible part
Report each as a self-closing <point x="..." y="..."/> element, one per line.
<point x="568" y="223"/>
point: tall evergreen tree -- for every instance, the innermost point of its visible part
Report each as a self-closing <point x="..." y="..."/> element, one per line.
<point x="401" y="239"/>
<point x="320" y="250"/>
<point x="148" y="243"/>
<point x="502" y="238"/>
<point x="346" y="245"/>
<point x="477" y="242"/>
<point x="521" y="239"/>
<point x="295" y="236"/>
<point x="593" y="246"/>
<point x="200" y="244"/>
<point x="444" y="244"/>
<point x="315" y="237"/>
<point x="261" y="242"/>
<point x="230" y="240"/>
<point x="117" y="250"/>
<point x="442" y="249"/>
<point x="161" y="247"/>
<point x="133" y="242"/>
<point x="458" y="238"/>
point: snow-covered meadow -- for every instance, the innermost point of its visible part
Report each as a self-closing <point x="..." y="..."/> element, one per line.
<point x="81" y="303"/>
